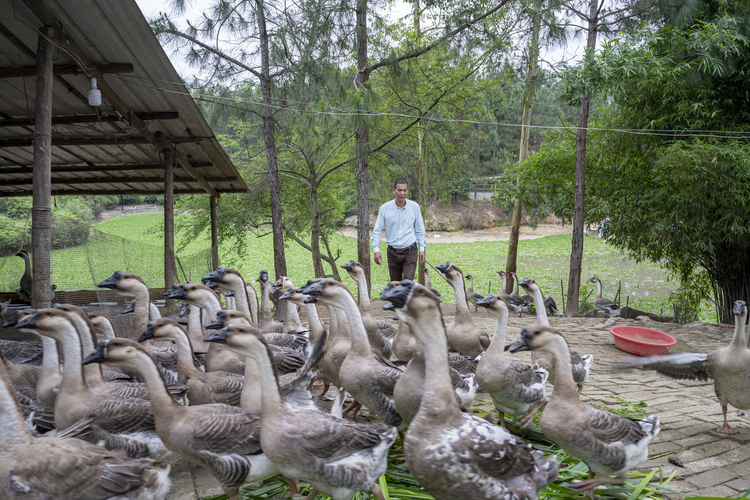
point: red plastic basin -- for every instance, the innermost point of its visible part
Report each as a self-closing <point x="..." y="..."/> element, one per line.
<point x="642" y="341"/>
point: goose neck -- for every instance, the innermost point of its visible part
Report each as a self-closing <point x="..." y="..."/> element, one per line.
<point x="195" y="329"/>
<point x="209" y="303"/>
<point x="162" y="404"/>
<point x="252" y="299"/>
<point x="252" y="387"/>
<point x="739" y="338"/>
<point x="185" y="365"/>
<point x="360" y="343"/>
<point x="142" y="312"/>
<point x="50" y="358"/>
<point x="313" y="320"/>
<point x="598" y="289"/>
<point x="541" y="311"/>
<point x="271" y="402"/>
<point x="72" y="376"/>
<point x="565" y="386"/>
<point x="108" y="331"/>
<point x="237" y="284"/>
<point x="265" y="304"/>
<point x="459" y="293"/>
<point x="92" y="373"/>
<point x="13" y="429"/>
<point x="363" y="294"/>
<point x="498" y="339"/>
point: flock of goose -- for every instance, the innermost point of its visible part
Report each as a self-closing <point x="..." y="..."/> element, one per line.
<point x="230" y="392"/>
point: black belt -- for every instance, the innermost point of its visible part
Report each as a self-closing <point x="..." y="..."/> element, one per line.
<point x="413" y="246"/>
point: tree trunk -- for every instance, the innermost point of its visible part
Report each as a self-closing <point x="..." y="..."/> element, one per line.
<point x="528" y="99"/>
<point x="422" y="200"/>
<point x="279" y="259"/>
<point x="576" y="253"/>
<point x="315" y="228"/>
<point x="363" y="147"/>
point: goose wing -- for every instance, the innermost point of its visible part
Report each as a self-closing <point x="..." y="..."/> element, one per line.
<point x="386" y="329"/>
<point x="287" y="360"/>
<point x="461" y="363"/>
<point x="118" y="415"/>
<point x="65" y="468"/>
<point x="684" y="365"/>
<point x="609" y="435"/>
<point x="225" y="430"/>
<point x="226" y="387"/>
<point x="529" y="382"/>
<point x="606" y="305"/>
<point x="290" y="340"/>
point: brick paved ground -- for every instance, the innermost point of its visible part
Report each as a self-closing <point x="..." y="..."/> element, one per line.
<point x="714" y="464"/>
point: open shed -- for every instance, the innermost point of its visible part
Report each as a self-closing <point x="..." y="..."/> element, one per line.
<point x="147" y="136"/>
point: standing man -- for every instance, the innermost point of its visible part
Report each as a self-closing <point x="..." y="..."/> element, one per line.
<point x="404" y="233"/>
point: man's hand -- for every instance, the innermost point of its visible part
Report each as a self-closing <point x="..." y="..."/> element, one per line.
<point x="379" y="258"/>
<point x="421" y="256"/>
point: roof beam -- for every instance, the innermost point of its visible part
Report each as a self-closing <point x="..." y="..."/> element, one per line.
<point x="95" y="141"/>
<point x="113" y="192"/>
<point x="112" y="180"/>
<point x="64" y="69"/>
<point x="47" y="17"/>
<point x="75" y="169"/>
<point x="66" y="120"/>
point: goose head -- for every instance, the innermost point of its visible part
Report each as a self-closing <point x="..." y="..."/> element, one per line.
<point x="23" y="254"/>
<point x="529" y="285"/>
<point x="740" y="309"/>
<point x="118" y="352"/>
<point x="595" y="280"/>
<point x="50" y="323"/>
<point x="184" y="309"/>
<point x="326" y="291"/>
<point x="416" y="302"/>
<point x="451" y="272"/>
<point x="102" y="324"/>
<point x="292" y="294"/>
<point x="539" y="337"/>
<point x="282" y="284"/>
<point x="354" y="269"/>
<point x="493" y="303"/>
<point x="19" y="316"/>
<point x="243" y="340"/>
<point x="224" y="318"/>
<point x="192" y="293"/>
<point x="263" y="277"/>
<point x="224" y="277"/>
<point x="162" y="329"/>
<point x="130" y="309"/>
<point x="124" y="284"/>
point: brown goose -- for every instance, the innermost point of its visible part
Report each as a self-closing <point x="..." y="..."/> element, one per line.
<point x="454" y="454"/>
<point x="266" y="323"/>
<point x="66" y="468"/>
<point x="463" y="336"/>
<point x="223" y="439"/>
<point x="335" y="456"/>
<point x="280" y="287"/>
<point x="231" y="280"/>
<point x="607" y="443"/>
<point x="378" y="331"/>
<point x="203" y="387"/>
<point x="603" y="304"/>
<point x="123" y="423"/>
<point x="471" y="295"/>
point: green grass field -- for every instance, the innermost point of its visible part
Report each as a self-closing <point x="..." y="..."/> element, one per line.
<point x="135" y="243"/>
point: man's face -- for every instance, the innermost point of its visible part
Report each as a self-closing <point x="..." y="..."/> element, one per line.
<point x="400" y="193"/>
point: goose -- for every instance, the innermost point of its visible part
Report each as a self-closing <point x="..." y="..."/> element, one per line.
<point x="26" y="280"/>
<point x="203" y="387"/>
<point x="195" y="329"/>
<point x="223" y="439"/>
<point x="581" y="365"/>
<point x="130" y="285"/>
<point x="153" y="311"/>
<point x="123" y="423"/>
<point x="428" y="284"/>
<point x="231" y="301"/>
<point x="381" y="330"/>
<point x="39" y="419"/>
<point x="66" y="468"/>
<point x="454" y="454"/>
<point x="728" y="366"/>
<point x="21" y="352"/>
<point x="368" y="378"/>
<point x="471" y="295"/>
<point x="266" y="323"/>
<point x="603" y="304"/>
<point x="49" y="378"/>
<point x="337" y="344"/>
<point x="231" y="280"/>
<point x="607" y="443"/>
<point x="515" y="304"/>
<point x="515" y="388"/>
<point x="282" y="285"/>
<point x="337" y="457"/>
<point x="313" y="319"/>
<point x="102" y="326"/>
<point x="526" y="298"/>
<point x="463" y="336"/>
<point x="199" y="295"/>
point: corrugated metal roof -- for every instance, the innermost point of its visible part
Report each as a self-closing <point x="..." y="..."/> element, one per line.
<point x="109" y="155"/>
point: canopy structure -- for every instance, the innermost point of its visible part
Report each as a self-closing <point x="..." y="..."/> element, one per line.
<point x="147" y="136"/>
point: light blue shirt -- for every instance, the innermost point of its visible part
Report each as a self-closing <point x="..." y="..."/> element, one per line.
<point x="403" y="226"/>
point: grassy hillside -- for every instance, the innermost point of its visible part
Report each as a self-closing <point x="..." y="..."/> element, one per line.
<point x="135" y="243"/>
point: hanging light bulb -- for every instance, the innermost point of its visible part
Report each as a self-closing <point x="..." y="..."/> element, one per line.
<point x="95" y="95"/>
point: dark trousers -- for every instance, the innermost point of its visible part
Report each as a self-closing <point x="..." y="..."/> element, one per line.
<point x="402" y="266"/>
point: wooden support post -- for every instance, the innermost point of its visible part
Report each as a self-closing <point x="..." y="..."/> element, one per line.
<point x="169" y="264"/>
<point x="41" y="212"/>
<point x="214" y="235"/>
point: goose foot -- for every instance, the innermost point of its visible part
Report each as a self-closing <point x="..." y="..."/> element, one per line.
<point x="312" y="495"/>
<point x="377" y="493"/>
<point x="325" y="389"/>
<point x="353" y="408"/>
<point x="726" y="428"/>
<point x="524" y="421"/>
<point x="310" y="385"/>
<point x="580" y="389"/>
<point x="293" y="488"/>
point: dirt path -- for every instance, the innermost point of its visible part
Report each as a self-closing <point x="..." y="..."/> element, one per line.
<point x="491" y="234"/>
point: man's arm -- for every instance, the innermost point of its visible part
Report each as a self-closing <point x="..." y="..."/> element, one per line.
<point x="375" y="243"/>
<point x="420" y="233"/>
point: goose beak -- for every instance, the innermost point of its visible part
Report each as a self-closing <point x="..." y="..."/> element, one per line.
<point x="230" y="293"/>
<point x="29" y="322"/>
<point x="443" y="267"/>
<point x="739" y="308"/>
<point x="148" y="334"/>
<point x="349" y="266"/>
<point x="486" y="301"/>
<point x="216" y="323"/>
<point x="13" y="321"/>
<point x="110" y="282"/>
<point x="523" y="343"/>
<point x="288" y="294"/>
<point x="389" y="307"/>
<point x="219" y="337"/>
<point x="525" y="282"/>
<point x="214" y="275"/>
<point x="98" y="356"/>
<point x="210" y="284"/>
<point x="184" y="309"/>
<point x="263" y="276"/>
<point x="128" y="310"/>
<point x="178" y="292"/>
<point x="313" y="287"/>
<point x="310" y="300"/>
<point x="398" y="295"/>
